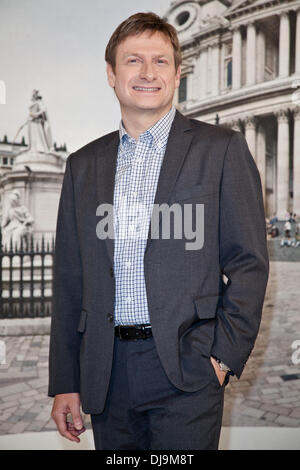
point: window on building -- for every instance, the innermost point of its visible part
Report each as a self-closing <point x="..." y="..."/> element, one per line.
<point x="11" y="161"/>
<point x="182" y="17"/>
<point x="182" y="92"/>
<point x="5" y="160"/>
<point x="229" y="73"/>
<point x="227" y="51"/>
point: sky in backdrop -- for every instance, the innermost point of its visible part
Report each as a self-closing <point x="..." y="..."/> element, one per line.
<point x="57" y="47"/>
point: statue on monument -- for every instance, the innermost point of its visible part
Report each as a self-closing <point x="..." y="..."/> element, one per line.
<point x="39" y="130"/>
<point x="16" y="222"/>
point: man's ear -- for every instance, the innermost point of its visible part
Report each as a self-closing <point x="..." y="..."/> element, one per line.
<point x="110" y="75"/>
<point x="177" y="77"/>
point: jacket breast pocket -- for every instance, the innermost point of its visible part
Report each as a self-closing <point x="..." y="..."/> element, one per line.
<point x="196" y="191"/>
<point x="82" y="321"/>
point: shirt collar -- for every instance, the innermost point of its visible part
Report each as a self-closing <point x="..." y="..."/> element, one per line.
<point x="159" y="132"/>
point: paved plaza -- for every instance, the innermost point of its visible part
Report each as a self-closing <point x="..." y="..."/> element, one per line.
<point x="268" y="393"/>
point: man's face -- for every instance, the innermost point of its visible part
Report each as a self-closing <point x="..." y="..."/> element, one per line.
<point x="145" y="77"/>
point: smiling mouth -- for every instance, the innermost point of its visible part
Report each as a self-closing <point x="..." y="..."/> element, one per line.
<point x="146" y="89"/>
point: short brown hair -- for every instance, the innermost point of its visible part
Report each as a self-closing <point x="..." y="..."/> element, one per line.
<point x="137" y="24"/>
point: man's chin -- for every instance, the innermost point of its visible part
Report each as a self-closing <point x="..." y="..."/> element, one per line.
<point x="142" y="105"/>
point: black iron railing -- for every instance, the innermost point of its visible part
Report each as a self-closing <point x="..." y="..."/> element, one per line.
<point x="26" y="273"/>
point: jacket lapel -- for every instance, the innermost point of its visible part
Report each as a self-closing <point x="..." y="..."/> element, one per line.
<point x="177" y="147"/>
<point x="106" y="163"/>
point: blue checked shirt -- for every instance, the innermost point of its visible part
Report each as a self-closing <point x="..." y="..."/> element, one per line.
<point x="137" y="173"/>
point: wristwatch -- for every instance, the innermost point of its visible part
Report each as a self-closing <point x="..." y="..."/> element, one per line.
<point x="222" y="366"/>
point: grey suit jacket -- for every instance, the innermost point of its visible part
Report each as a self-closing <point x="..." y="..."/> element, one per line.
<point x="194" y="313"/>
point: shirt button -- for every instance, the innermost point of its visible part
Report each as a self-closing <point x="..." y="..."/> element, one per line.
<point x="110" y="317"/>
<point x="128" y="264"/>
<point x="128" y="299"/>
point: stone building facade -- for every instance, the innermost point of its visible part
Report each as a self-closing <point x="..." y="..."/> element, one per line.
<point x="241" y="68"/>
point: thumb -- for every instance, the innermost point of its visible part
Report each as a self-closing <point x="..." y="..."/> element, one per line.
<point x="76" y="416"/>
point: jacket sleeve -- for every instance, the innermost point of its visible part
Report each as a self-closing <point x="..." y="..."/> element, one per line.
<point x="67" y="295"/>
<point x="243" y="256"/>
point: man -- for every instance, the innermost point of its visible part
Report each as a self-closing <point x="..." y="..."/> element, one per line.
<point x="146" y="330"/>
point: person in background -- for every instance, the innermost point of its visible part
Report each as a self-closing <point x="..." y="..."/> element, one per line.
<point x="274" y="219"/>
<point x="296" y="241"/>
<point x="286" y="240"/>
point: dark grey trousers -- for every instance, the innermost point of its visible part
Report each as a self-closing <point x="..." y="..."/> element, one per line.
<point x="144" y="411"/>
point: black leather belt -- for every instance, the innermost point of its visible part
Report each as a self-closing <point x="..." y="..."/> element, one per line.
<point x="132" y="332"/>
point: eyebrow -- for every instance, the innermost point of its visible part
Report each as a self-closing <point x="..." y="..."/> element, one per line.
<point x="137" y="54"/>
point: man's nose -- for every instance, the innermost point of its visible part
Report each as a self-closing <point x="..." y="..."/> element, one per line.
<point x="148" y="71"/>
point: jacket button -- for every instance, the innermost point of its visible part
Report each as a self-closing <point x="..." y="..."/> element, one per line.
<point x="112" y="272"/>
<point x="110" y="317"/>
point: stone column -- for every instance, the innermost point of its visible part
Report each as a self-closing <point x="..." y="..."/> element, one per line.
<point x="261" y="157"/>
<point x="261" y="53"/>
<point x="250" y="134"/>
<point x="296" y="166"/>
<point x="284" y="45"/>
<point x="251" y="54"/>
<point x="297" y="57"/>
<point x="196" y="78"/>
<point x="215" y="89"/>
<point x="282" y="163"/>
<point x="236" y="58"/>
<point x="203" y="81"/>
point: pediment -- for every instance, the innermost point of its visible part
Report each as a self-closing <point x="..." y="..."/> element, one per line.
<point x="241" y="4"/>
